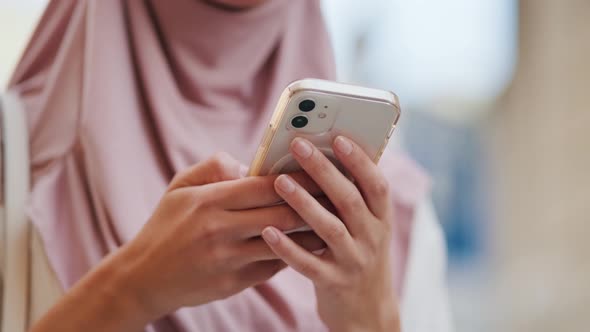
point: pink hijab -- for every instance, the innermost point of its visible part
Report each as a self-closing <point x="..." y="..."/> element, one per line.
<point x="122" y="94"/>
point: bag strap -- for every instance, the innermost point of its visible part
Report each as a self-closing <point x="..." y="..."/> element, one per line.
<point x="16" y="177"/>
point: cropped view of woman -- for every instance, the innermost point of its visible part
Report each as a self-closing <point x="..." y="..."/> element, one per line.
<point x="142" y="119"/>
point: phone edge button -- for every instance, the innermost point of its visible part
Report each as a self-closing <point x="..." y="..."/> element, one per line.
<point x="391" y="131"/>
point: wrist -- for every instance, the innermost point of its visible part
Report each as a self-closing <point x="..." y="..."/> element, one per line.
<point x="388" y="319"/>
<point x="383" y="318"/>
<point x="100" y="301"/>
<point x="128" y="282"/>
<point x="118" y="283"/>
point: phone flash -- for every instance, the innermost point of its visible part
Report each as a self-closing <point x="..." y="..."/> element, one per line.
<point x="322" y="115"/>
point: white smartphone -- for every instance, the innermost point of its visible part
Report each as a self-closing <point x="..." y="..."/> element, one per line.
<point x="319" y="111"/>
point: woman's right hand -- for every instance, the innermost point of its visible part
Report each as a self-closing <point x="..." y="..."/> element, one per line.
<point x="203" y="241"/>
<point x="201" y="244"/>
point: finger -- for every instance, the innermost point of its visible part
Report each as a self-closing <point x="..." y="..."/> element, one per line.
<point x="250" y="223"/>
<point x="370" y="179"/>
<point x="220" y="167"/>
<point x="342" y="193"/>
<point x="256" y="249"/>
<point x="253" y="192"/>
<point x="325" y="224"/>
<point x="298" y="258"/>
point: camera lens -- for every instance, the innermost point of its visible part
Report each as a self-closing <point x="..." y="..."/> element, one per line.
<point x="306" y="105"/>
<point x="299" y="121"/>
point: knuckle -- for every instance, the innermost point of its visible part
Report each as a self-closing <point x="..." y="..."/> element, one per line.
<point x="388" y="227"/>
<point x="225" y="257"/>
<point x="357" y="265"/>
<point x="178" y="178"/>
<point x="351" y="202"/>
<point x="336" y="231"/>
<point x="197" y="199"/>
<point x="379" y="240"/>
<point x="340" y="283"/>
<point x="380" y="188"/>
<point x="183" y="203"/>
<point x="355" y="162"/>
<point x="343" y="280"/>
<point x="309" y="270"/>
<point x="220" y="163"/>
<point x="231" y="256"/>
<point x="211" y="230"/>
<point x="336" y="282"/>
<point x="216" y="257"/>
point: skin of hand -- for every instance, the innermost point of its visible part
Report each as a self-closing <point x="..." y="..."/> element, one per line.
<point x="201" y="244"/>
<point x="352" y="277"/>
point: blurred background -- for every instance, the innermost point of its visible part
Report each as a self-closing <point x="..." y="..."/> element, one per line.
<point x="494" y="98"/>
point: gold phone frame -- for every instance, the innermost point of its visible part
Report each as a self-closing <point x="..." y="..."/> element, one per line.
<point x="322" y="86"/>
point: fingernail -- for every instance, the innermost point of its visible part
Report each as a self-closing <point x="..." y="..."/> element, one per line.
<point x="343" y="145"/>
<point x="243" y="170"/>
<point x="302" y="148"/>
<point x="270" y="235"/>
<point x="285" y="184"/>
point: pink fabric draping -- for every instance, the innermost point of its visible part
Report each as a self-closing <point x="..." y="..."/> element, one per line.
<point x="121" y="94"/>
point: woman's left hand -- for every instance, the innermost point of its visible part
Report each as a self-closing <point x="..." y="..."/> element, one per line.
<point x="353" y="276"/>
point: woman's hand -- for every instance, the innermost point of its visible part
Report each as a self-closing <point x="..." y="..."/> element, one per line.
<point x="201" y="244"/>
<point x="203" y="241"/>
<point x="353" y="276"/>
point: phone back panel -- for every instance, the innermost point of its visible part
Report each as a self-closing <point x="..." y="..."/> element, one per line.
<point x="367" y="116"/>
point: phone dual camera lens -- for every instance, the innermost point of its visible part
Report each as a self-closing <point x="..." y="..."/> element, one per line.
<point x="301" y="121"/>
<point x="306" y="105"/>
